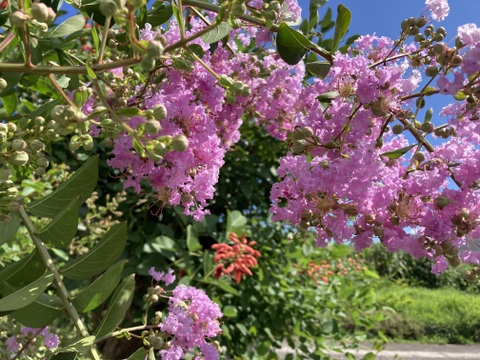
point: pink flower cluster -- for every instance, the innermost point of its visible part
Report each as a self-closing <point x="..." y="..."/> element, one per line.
<point x="44" y="338"/>
<point x="192" y="319"/>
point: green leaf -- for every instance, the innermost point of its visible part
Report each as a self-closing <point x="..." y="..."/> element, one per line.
<point x="81" y="184"/>
<point x="81" y="346"/>
<point x="369" y="356"/>
<point x="230" y="311"/>
<point x="59" y="232"/>
<point x="291" y="44"/>
<point x="160" y="15"/>
<point x="80" y="98"/>
<point x="40" y="313"/>
<point x="103" y="254"/>
<point x="26" y="295"/>
<point x="98" y="292"/>
<point x="90" y="72"/>
<point x="236" y="223"/>
<point x="319" y="68"/>
<point x="192" y="239"/>
<point x="222" y="285"/>
<point x="395" y="154"/>
<point x="328" y="97"/>
<point x="140" y="354"/>
<point x="371" y="274"/>
<point x="7" y="231"/>
<point x="118" y="306"/>
<point x="72" y="24"/>
<point x="96" y="41"/>
<point x="24" y="271"/>
<point x="65" y="356"/>
<point x="128" y="111"/>
<point x="428" y="115"/>
<point x="342" y="23"/>
<point x="10" y="103"/>
<point x="217" y="33"/>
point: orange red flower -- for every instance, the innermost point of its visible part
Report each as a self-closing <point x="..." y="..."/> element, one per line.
<point x="235" y="259"/>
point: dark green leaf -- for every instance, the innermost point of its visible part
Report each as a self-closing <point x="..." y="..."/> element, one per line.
<point x="222" y="285"/>
<point x="81" y="346"/>
<point x="118" y="306"/>
<point x="24" y="271"/>
<point x="319" y="68"/>
<point x="192" y="239"/>
<point x="90" y="72"/>
<point x="65" y="356"/>
<point x="140" y="354"/>
<point x="132" y="111"/>
<point x="342" y="23"/>
<point x="197" y="50"/>
<point x="7" y="231"/>
<point x="40" y="313"/>
<point x="59" y="232"/>
<point x="291" y="44"/>
<point x="10" y="102"/>
<point x="98" y="292"/>
<point x="217" y="33"/>
<point x="395" y="154"/>
<point x="160" y="15"/>
<point x="328" y="96"/>
<point x="81" y="184"/>
<point x="26" y="295"/>
<point x="104" y="254"/>
<point x="72" y="24"/>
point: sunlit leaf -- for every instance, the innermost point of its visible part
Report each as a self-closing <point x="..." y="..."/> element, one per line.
<point x="217" y="33"/>
<point x="117" y="307"/>
<point x="40" y="313"/>
<point x="72" y="24"/>
<point x="395" y="154"/>
<point x="98" y="292"/>
<point x="319" y="68"/>
<point x="342" y="23"/>
<point x="26" y="295"/>
<point x="192" y="239"/>
<point x="291" y="44"/>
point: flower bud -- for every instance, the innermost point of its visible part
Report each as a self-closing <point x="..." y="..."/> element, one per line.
<point x="19" y="158"/>
<point x="297" y="147"/>
<point x="441" y="201"/>
<point x="419" y="156"/>
<point x="179" y="142"/>
<point x="3" y="84"/>
<point x="225" y="81"/>
<point x="152" y="127"/>
<point x="155" y="49"/>
<point x="39" y="11"/>
<point x="160" y="112"/>
<point x="148" y="63"/>
<point x="51" y="15"/>
<point x="427" y="127"/>
<point x="18" y="19"/>
<point x="18" y="144"/>
<point x="456" y="60"/>
<point x="397" y="129"/>
<point x="421" y="21"/>
<point x="42" y="162"/>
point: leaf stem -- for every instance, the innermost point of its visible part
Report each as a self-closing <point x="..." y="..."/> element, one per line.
<point x="104" y="39"/>
<point x="62" y="290"/>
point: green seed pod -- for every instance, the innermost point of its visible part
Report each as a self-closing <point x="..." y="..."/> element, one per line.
<point x="438" y="37"/>
<point x="307" y="132"/>
<point x="431" y="71"/>
<point x="74" y="143"/>
<point x="225" y="81"/>
<point x="42" y="162"/>
<point x="18" y="19"/>
<point x="297" y="147"/>
<point x="398" y="129"/>
<point x="298" y="133"/>
<point x="19" y="158"/>
<point x="179" y="142"/>
<point x="419" y="37"/>
<point x="441" y="201"/>
<point x="148" y="63"/>
<point x="152" y="127"/>
<point x="57" y="113"/>
<point x="39" y="171"/>
<point x="237" y="87"/>
<point x="427" y="127"/>
<point x="159" y="112"/>
<point x="39" y="11"/>
<point x="155" y="49"/>
<point x="419" y="156"/>
<point x="421" y="21"/>
<point x="18" y="144"/>
<point x="456" y="60"/>
<point x="3" y="84"/>
<point x="108" y="8"/>
<point x="160" y="149"/>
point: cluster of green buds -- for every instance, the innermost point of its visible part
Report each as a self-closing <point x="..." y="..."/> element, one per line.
<point x="153" y="52"/>
<point x="444" y="248"/>
<point x="234" y="88"/>
<point x="271" y="10"/>
<point x="24" y="147"/>
<point x="38" y="15"/>
<point x="303" y="140"/>
<point x="464" y="222"/>
<point x="10" y="201"/>
<point x="68" y="119"/>
<point x="153" y="294"/>
<point x="158" y="148"/>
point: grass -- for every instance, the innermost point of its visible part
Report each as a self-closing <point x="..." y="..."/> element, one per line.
<point x="444" y="315"/>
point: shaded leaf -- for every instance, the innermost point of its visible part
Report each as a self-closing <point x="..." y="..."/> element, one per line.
<point x="118" y="306"/>
<point x="222" y="285"/>
<point x="217" y="33"/>
<point x="230" y="311"/>
<point x="328" y="96"/>
<point x="160" y="15"/>
<point x="72" y="24"/>
<point x="65" y="356"/>
<point x="40" y="313"/>
<point x="100" y="257"/>
<point x="81" y="346"/>
<point x="291" y="44"/>
<point x="80" y="184"/>
<point x="395" y="154"/>
<point x="7" y="231"/>
<point x="140" y="354"/>
<point x="24" y="271"/>
<point x="27" y="294"/>
<point x="319" y="68"/>
<point x="98" y="292"/>
<point x="60" y="231"/>
<point x="342" y="23"/>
